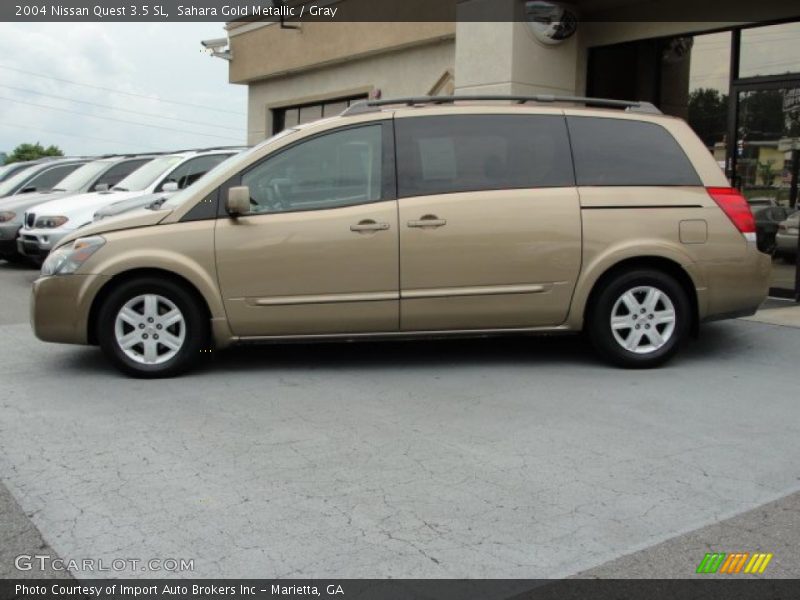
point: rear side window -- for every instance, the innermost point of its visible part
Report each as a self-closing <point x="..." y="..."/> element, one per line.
<point x="462" y="153"/>
<point x="612" y="152"/>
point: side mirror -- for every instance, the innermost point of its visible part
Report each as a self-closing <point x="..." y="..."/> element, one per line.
<point x="170" y="186"/>
<point x="238" y="201"/>
<point x="101" y="187"/>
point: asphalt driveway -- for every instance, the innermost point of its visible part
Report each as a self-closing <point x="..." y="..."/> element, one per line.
<point x="485" y="458"/>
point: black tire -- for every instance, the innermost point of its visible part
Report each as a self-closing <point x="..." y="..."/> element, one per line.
<point x="195" y="320"/>
<point x="603" y="303"/>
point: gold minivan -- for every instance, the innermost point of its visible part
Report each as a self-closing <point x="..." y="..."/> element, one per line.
<point x="422" y="217"/>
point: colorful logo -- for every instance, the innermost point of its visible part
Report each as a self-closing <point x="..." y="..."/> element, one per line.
<point x="735" y="562"/>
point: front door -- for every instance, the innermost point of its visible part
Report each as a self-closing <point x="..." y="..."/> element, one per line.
<point x="490" y="226"/>
<point x="318" y="254"/>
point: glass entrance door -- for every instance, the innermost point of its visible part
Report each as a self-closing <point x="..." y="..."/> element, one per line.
<point x="766" y="160"/>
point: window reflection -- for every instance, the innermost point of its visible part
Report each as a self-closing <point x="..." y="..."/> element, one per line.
<point x="709" y="82"/>
<point x="770" y="50"/>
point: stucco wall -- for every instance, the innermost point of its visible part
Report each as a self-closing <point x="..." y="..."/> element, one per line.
<point x="267" y="50"/>
<point x="407" y="72"/>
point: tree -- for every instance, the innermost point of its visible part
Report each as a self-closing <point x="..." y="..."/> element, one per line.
<point x="32" y="152"/>
<point x="708" y="114"/>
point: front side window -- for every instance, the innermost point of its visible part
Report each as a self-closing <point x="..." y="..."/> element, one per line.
<point x="192" y="170"/>
<point x="623" y="152"/>
<point x="462" y="153"/>
<point x="336" y="169"/>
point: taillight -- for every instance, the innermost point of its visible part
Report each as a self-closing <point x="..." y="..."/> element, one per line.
<point x="734" y="205"/>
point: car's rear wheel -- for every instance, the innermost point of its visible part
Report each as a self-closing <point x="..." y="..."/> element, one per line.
<point x="639" y="318"/>
<point x="152" y="327"/>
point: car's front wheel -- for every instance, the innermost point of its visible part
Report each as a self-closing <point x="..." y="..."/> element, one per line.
<point x="639" y="318"/>
<point x="152" y="327"/>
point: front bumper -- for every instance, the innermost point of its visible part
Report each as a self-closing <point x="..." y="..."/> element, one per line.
<point x="786" y="243"/>
<point x="8" y="238"/>
<point x="37" y="243"/>
<point x="60" y="306"/>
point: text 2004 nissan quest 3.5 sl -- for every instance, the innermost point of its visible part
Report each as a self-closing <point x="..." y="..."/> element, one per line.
<point x="422" y="217"/>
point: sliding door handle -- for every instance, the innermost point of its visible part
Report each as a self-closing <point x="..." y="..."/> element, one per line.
<point x="428" y="221"/>
<point x="368" y="225"/>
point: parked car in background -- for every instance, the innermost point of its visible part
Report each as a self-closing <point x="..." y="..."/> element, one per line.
<point x="93" y="176"/>
<point x="767" y="214"/>
<point x="416" y="218"/>
<point x="7" y="171"/>
<point x="787" y="236"/>
<point x="40" y="176"/>
<point x="46" y="224"/>
<point x="182" y="177"/>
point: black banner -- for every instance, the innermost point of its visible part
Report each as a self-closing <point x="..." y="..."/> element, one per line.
<point x="717" y="11"/>
<point x="400" y="589"/>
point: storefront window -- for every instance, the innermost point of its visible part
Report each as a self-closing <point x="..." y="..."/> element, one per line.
<point x="289" y="116"/>
<point x="709" y="83"/>
<point x="770" y="50"/>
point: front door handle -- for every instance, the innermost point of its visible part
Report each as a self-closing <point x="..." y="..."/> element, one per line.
<point x="428" y="221"/>
<point x="369" y="225"/>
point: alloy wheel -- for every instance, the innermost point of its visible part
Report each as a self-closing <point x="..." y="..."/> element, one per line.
<point x="150" y="329"/>
<point x="643" y="319"/>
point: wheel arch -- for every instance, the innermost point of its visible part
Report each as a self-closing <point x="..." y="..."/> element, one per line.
<point x="578" y="313"/>
<point x="139" y="273"/>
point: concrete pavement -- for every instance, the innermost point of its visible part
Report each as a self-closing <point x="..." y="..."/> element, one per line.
<point x="484" y="458"/>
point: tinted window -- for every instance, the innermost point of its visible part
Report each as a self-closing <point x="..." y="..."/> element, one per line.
<point x="460" y="153"/>
<point x="120" y="171"/>
<point x="192" y="170"/>
<point x="337" y="169"/>
<point x="622" y="152"/>
<point x="48" y="178"/>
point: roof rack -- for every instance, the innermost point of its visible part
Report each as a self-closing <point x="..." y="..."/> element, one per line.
<point x="366" y="106"/>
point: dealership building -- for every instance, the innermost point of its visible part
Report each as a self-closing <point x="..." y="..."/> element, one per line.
<point x="737" y="83"/>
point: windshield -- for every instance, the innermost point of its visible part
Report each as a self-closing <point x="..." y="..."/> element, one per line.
<point x="81" y="176"/>
<point x="147" y="174"/>
<point x="230" y="164"/>
<point x="12" y="182"/>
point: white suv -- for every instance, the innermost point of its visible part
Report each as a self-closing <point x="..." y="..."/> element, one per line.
<point x="46" y="224"/>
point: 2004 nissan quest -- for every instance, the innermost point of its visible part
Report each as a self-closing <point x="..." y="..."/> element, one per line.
<point x="422" y="217"/>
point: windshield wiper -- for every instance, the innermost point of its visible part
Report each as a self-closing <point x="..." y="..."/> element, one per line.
<point x="119" y="189"/>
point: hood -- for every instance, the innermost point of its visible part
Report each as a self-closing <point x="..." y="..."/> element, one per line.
<point x="31" y="198"/>
<point x="121" y="206"/>
<point x="19" y="204"/>
<point x="130" y="220"/>
<point x="80" y="202"/>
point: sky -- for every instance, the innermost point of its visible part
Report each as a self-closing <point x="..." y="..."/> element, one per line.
<point x="156" y="62"/>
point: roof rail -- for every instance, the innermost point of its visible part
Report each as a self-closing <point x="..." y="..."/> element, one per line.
<point x="366" y="106"/>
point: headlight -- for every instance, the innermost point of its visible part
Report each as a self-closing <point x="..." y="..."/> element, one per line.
<point x="66" y="259"/>
<point x="6" y="216"/>
<point x="50" y="222"/>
